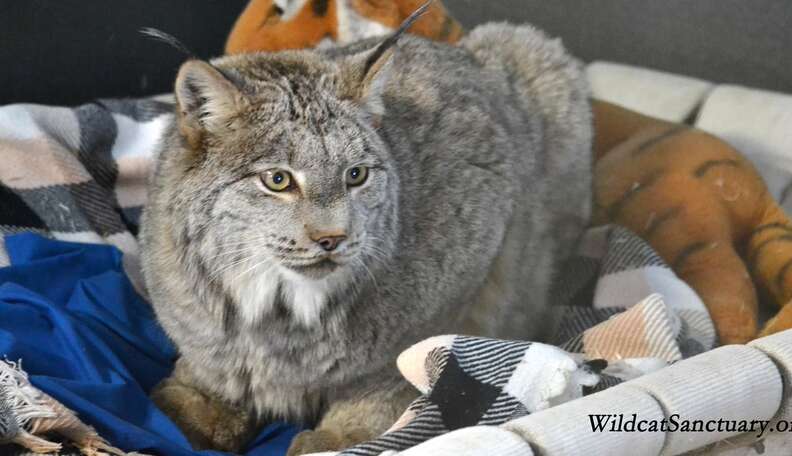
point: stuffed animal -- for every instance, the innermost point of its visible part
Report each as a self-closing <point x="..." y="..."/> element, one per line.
<point x="272" y="25"/>
<point x="703" y="207"/>
<point x="697" y="201"/>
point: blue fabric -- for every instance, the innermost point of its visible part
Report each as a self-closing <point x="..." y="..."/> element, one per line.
<point x="89" y="340"/>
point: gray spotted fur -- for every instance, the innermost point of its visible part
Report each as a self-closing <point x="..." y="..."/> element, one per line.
<point x="481" y="187"/>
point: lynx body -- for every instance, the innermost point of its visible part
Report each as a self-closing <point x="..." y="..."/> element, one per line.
<point x="294" y="299"/>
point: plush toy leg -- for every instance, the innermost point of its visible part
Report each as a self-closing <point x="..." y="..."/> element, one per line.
<point x="732" y="304"/>
<point x="696" y="200"/>
<point x="688" y="230"/>
<point x="699" y="248"/>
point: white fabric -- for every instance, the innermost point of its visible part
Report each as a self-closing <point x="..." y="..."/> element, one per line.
<point x="779" y="348"/>
<point x="734" y="382"/>
<point x="622" y="289"/>
<point x="472" y="441"/>
<point x="547" y="376"/>
<point x="758" y="124"/>
<point x="654" y="93"/>
<point x="566" y="430"/>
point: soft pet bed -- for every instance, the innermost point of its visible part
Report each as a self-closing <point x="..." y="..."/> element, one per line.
<point x="73" y="308"/>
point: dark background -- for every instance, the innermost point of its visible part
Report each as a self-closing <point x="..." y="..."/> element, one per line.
<point x="70" y="51"/>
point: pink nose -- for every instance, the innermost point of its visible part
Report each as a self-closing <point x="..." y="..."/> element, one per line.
<point x="330" y="243"/>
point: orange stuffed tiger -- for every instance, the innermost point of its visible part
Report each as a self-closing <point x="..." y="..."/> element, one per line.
<point x="698" y="202"/>
<point x="272" y="25"/>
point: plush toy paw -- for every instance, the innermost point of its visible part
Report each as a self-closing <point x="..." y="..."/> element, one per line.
<point x="206" y="422"/>
<point x="320" y="440"/>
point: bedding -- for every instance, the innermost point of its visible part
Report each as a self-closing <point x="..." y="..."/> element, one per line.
<point x="605" y="325"/>
<point x="73" y="320"/>
<point x="73" y="307"/>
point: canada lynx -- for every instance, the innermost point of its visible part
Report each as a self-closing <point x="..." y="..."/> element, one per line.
<point x="315" y="212"/>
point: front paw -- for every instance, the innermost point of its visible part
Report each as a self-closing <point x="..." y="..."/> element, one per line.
<point x="208" y="424"/>
<point x="321" y="440"/>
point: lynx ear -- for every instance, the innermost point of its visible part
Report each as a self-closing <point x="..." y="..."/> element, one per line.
<point x="368" y="71"/>
<point x="366" y="75"/>
<point x="206" y="98"/>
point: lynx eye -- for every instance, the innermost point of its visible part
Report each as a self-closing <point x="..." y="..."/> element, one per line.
<point x="356" y="176"/>
<point x="277" y="180"/>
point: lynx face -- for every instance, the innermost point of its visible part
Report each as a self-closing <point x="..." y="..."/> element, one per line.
<point x="290" y="192"/>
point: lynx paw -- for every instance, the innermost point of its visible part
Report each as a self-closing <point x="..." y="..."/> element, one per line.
<point x="320" y="440"/>
<point x="207" y="423"/>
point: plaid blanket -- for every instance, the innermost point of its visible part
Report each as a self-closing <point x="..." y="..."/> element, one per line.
<point x="79" y="174"/>
<point x="621" y="313"/>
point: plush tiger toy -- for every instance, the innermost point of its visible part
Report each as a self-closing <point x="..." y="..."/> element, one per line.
<point x="700" y="204"/>
<point x="273" y="25"/>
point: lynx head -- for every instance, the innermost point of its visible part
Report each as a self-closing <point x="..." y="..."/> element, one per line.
<point x="284" y="194"/>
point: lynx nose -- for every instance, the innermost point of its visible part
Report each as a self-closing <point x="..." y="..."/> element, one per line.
<point x="330" y="243"/>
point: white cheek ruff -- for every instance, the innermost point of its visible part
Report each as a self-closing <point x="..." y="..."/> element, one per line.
<point x="255" y="293"/>
<point x="305" y="298"/>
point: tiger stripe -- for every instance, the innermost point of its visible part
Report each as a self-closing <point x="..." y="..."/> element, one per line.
<point x="649" y="143"/>
<point x="688" y="252"/>
<point x="643" y="185"/>
<point x="666" y="216"/>
<point x="757" y="251"/>
<point x="769" y="226"/>
<point x="708" y="165"/>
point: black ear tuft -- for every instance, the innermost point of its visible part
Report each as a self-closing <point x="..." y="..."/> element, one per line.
<point x="366" y="74"/>
<point x="167" y="38"/>
<point x="391" y="40"/>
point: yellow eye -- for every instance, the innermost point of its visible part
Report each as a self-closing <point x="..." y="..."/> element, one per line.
<point x="356" y="176"/>
<point x="277" y="180"/>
